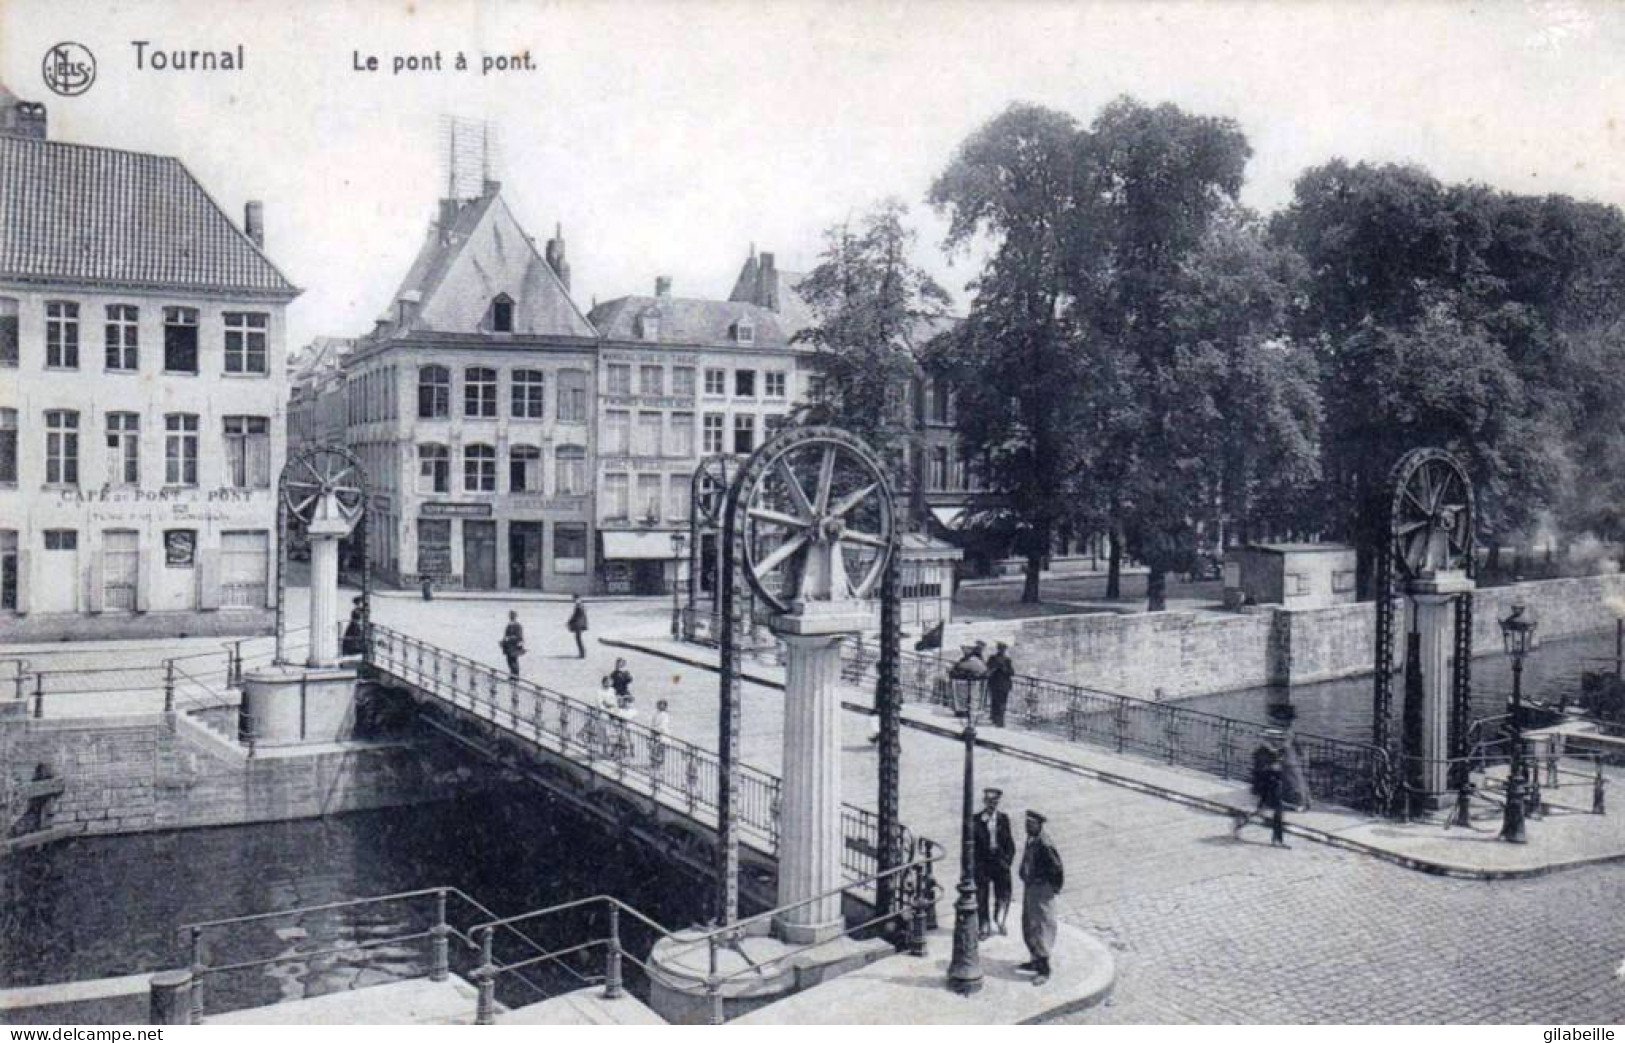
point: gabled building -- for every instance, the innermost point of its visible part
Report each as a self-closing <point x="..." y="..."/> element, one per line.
<point x="142" y="393"/>
<point x="470" y="405"/>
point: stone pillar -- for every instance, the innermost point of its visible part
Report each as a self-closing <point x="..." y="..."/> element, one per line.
<point x="1434" y="619"/>
<point x="325" y="534"/>
<point x="810" y="836"/>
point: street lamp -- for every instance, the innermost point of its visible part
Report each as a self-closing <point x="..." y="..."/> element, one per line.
<point x="678" y="543"/>
<point x="1518" y="631"/>
<point x="965" y="969"/>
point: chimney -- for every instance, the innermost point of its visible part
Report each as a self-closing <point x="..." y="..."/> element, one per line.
<point x="407" y="309"/>
<point x="27" y="120"/>
<point x="555" y="256"/>
<point x="663" y="287"/>
<point x="491" y="188"/>
<point x="379" y="326"/>
<point x="254" y="222"/>
<point x="767" y="283"/>
<point x="448" y="217"/>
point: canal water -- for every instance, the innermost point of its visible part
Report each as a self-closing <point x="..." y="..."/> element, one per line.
<point x="102" y="907"/>
<point x="1342" y="709"/>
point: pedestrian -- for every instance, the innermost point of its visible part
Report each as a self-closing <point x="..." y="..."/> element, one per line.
<point x="659" y="726"/>
<point x="995" y="852"/>
<point x="604" y="719"/>
<point x="1041" y="879"/>
<point x="513" y="643"/>
<point x="1267" y="787"/>
<point x="355" y="638"/>
<point x="1001" y="674"/>
<point x="578" y="625"/>
<point x="620" y="679"/>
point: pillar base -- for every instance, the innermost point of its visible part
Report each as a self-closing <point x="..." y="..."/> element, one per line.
<point x="290" y="706"/>
<point x="806" y="934"/>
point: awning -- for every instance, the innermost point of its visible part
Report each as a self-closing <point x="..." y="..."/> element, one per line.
<point x="637" y="546"/>
<point x="948" y="517"/>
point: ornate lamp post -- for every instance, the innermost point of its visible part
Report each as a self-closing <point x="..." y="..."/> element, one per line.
<point x="1518" y="631"/>
<point x="965" y="970"/>
<point x="679" y="543"/>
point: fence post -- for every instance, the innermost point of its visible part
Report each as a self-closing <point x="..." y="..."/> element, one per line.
<point x="197" y="975"/>
<point x="713" y="987"/>
<point x="441" y="967"/>
<point x="1074" y="724"/>
<point x="485" y="1007"/>
<point x="39" y="695"/>
<point x="1597" y="786"/>
<point x="917" y="915"/>
<point x="169" y="686"/>
<point x="612" y="961"/>
<point x="237" y="664"/>
<point x="691" y="775"/>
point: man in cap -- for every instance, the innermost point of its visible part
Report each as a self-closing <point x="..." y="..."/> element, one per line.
<point x="995" y="850"/>
<point x="1041" y="879"/>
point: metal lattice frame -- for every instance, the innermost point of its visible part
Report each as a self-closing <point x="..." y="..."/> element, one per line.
<point x="707" y="494"/>
<point x="328" y="468"/>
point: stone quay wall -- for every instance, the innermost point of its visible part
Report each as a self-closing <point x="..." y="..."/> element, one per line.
<point x="1183" y="654"/>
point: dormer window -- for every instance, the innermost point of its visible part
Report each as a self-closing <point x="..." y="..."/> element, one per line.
<point x="744" y="332"/>
<point x="648" y="324"/>
<point x="502" y="314"/>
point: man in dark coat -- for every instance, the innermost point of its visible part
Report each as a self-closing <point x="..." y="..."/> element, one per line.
<point x="513" y="643"/>
<point x="620" y="679"/>
<point x="1001" y="674"/>
<point x="995" y="850"/>
<point x="1268" y="785"/>
<point x="578" y="625"/>
<point x="355" y="634"/>
<point x="1041" y="879"/>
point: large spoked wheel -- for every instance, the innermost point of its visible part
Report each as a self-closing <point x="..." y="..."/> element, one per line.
<point x="817" y="518"/>
<point x="710" y="489"/>
<point x="1431" y="519"/>
<point x="318" y="473"/>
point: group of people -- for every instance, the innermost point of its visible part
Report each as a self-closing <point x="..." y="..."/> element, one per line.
<point x="994" y="853"/>
<point x="513" y="635"/>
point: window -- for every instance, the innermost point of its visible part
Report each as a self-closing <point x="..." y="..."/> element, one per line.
<point x="716" y="382"/>
<point x="529" y="393"/>
<point x="744" y="332"/>
<point x="648" y="443"/>
<point x="744" y="433"/>
<point x="479" y="469"/>
<point x="682" y="381"/>
<point x="245" y="341"/>
<point x="1297" y="583"/>
<point x="681" y="442"/>
<point x="434" y="469"/>
<point x="570" y="473"/>
<point x="1342" y="582"/>
<point x="61" y="447"/>
<point x="61" y="335"/>
<point x="773" y="384"/>
<point x="244" y="564"/>
<point x="502" y="314"/>
<point x="180" y="340"/>
<point x="617" y="432"/>
<point x="180" y="449"/>
<point x="745" y="383"/>
<point x="678" y="490"/>
<point x="61" y="539"/>
<point x="938" y="400"/>
<point x="123" y="337"/>
<point x="8" y="334"/>
<point x="8" y="447"/>
<point x="569" y="549"/>
<point x="573" y="396"/>
<point x="618" y="378"/>
<point x="248" y="452"/>
<point x="939" y="467"/>
<point x="616" y="490"/>
<point x="651" y="380"/>
<point x="713" y="434"/>
<point x="647" y="326"/>
<point x="649" y="497"/>
<point x="524" y="469"/>
<point x="8" y="569"/>
<point x="123" y="449"/>
<point x="434" y="393"/>
<point x="479" y="392"/>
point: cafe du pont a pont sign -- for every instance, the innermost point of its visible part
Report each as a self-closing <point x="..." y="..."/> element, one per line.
<point x="189" y="505"/>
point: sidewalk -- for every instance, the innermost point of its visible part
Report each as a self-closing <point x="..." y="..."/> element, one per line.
<point x="1560" y="840"/>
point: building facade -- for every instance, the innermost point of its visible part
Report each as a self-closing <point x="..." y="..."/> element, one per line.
<point x="470" y="407"/>
<point x="142" y="396"/>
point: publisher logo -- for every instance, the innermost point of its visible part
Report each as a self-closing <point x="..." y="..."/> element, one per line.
<point x="69" y="69"/>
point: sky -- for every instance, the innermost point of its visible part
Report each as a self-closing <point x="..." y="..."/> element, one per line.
<point x="668" y="137"/>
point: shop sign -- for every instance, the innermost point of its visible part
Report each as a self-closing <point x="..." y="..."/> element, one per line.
<point x="455" y="510"/>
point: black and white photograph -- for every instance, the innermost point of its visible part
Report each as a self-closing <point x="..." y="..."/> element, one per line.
<point x="812" y="512"/>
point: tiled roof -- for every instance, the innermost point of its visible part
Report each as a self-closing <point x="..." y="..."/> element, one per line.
<point x="81" y="213"/>
<point x="686" y="320"/>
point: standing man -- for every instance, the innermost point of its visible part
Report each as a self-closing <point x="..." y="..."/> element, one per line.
<point x="578" y="625"/>
<point x="513" y="643"/>
<point x="620" y="679"/>
<point x="1001" y="674"/>
<point x="995" y="851"/>
<point x="1041" y="879"/>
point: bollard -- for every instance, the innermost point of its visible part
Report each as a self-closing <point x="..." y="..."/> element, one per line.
<point x="169" y="686"/>
<point x="170" y="998"/>
<point x="713" y="988"/>
<point x="1551" y="771"/>
<point x="39" y="695"/>
<point x="197" y="975"/>
<point x="439" y="948"/>
<point x="485" y="1009"/>
<point x="612" y="961"/>
<point x="20" y="681"/>
<point x="237" y="664"/>
<point x="1597" y="785"/>
<point x="917" y="915"/>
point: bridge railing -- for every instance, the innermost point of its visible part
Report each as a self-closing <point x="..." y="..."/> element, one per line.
<point x="610" y="744"/>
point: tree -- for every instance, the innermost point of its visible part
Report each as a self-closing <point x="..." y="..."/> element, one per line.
<point x="875" y="311"/>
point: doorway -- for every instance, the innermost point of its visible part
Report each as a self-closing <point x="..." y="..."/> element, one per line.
<point x="480" y="555"/>
<point x="525" y="555"/>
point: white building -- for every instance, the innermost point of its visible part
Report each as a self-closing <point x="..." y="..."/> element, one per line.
<point x="142" y="392"/>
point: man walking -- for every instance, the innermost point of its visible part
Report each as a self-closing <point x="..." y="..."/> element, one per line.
<point x="995" y="850"/>
<point x="1001" y="674"/>
<point x="1041" y="878"/>
<point x="578" y="625"/>
<point x="513" y="643"/>
<point x="1268" y="787"/>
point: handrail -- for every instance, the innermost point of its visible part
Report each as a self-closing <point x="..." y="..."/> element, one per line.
<point x="324" y="907"/>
